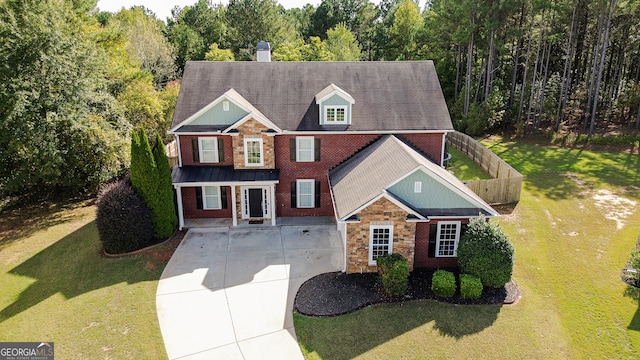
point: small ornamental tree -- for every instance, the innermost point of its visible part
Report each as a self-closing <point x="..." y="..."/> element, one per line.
<point x="485" y="251"/>
<point x="394" y="274"/>
<point x="166" y="206"/>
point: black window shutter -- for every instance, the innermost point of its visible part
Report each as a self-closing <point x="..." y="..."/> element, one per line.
<point x="220" y="150"/>
<point x="196" y="152"/>
<point x="317" y="194"/>
<point x="223" y="197"/>
<point x="292" y="149"/>
<point x="433" y="231"/>
<point x="316" y="149"/>
<point x="294" y="203"/>
<point x="199" y="198"/>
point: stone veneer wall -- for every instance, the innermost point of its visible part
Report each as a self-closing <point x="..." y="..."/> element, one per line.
<point x="380" y="212"/>
<point x="249" y="129"/>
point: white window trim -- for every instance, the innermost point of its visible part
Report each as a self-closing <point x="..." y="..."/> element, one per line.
<point x="371" y="228"/>
<point x="417" y="187"/>
<point x="313" y="195"/>
<point x="457" y="239"/>
<point x="246" y="153"/>
<point x="201" y="151"/>
<point x="336" y="107"/>
<point x="303" y="138"/>
<point x="205" y="204"/>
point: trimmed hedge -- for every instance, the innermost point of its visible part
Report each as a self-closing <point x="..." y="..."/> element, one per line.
<point x="166" y="212"/>
<point x="394" y="274"/>
<point x="443" y="283"/>
<point x="470" y="286"/>
<point x="122" y="218"/>
<point x="485" y="251"/>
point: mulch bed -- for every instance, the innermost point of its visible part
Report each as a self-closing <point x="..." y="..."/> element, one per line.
<point x="337" y="293"/>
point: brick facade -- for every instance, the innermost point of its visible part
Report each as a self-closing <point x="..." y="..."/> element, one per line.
<point x="430" y="144"/>
<point x="253" y="129"/>
<point x="381" y="211"/>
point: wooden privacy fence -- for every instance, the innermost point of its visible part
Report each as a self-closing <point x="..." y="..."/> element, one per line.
<point x="171" y="149"/>
<point x="506" y="184"/>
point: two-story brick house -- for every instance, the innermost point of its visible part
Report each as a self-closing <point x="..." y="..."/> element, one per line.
<point x="362" y="142"/>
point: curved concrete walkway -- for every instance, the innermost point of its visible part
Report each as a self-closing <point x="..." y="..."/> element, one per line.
<point x="228" y="293"/>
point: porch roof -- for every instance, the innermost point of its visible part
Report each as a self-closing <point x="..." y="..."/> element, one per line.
<point x="222" y="174"/>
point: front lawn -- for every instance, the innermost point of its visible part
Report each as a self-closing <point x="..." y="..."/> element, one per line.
<point x="57" y="286"/>
<point x="573" y="231"/>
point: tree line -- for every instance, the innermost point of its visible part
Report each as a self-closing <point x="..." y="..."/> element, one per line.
<point x="77" y="80"/>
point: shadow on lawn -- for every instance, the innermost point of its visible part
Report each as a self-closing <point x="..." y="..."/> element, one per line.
<point x="74" y="266"/>
<point x="634" y="293"/>
<point x="352" y="335"/>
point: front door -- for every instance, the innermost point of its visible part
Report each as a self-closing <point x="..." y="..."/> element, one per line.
<point x="255" y="203"/>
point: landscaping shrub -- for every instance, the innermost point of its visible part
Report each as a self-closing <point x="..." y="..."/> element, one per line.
<point x="443" y="283"/>
<point x="485" y="251"/>
<point x="394" y="274"/>
<point x="153" y="183"/>
<point x="122" y="219"/>
<point x="470" y="286"/>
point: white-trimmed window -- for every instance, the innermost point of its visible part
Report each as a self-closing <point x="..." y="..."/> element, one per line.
<point x="417" y="187"/>
<point x="335" y="114"/>
<point x="380" y="241"/>
<point x="305" y="193"/>
<point x="208" y="147"/>
<point x="447" y="238"/>
<point x="253" y="155"/>
<point x="211" y="197"/>
<point x="305" y="149"/>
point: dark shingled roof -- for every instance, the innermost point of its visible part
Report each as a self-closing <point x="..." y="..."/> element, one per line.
<point x="398" y="95"/>
<point x="198" y="174"/>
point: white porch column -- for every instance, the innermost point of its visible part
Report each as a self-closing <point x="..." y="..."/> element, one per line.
<point x="180" y="212"/>
<point x="234" y="210"/>
<point x="273" y="204"/>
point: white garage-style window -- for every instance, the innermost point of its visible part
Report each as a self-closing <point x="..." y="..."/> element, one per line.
<point x="253" y="152"/>
<point x="305" y="196"/>
<point x="447" y="238"/>
<point x="211" y="197"/>
<point x="380" y="241"/>
<point x="208" y="147"/>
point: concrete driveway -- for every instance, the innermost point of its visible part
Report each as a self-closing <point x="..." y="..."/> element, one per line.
<point x="228" y="293"/>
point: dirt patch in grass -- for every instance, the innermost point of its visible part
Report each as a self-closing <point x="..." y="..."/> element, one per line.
<point x="614" y="207"/>
<point x="159" y="255"/>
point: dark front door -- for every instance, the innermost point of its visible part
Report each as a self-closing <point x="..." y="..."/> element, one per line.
<point x="255" y="203"/>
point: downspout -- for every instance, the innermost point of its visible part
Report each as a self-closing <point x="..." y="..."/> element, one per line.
<point x="338" y="222"/>
<point x="444" y="141"/>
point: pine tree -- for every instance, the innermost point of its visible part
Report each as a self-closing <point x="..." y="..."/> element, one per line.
<point x="166" y="206"/>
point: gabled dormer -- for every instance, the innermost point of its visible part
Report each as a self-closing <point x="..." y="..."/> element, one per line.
<point x="335" y="106"/>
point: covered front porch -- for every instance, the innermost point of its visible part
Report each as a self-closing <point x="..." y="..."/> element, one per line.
<point x="280" y="221"/>
<point x="222" y="195"/>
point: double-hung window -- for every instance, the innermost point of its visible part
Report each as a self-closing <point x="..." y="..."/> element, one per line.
<point x="380" y="241"/>
<point x="253" y="155"/>
<point x="305" y="197"/>
<point x="335" y="114"/>
<point x="211" y="197"/>
<point x="304" y="149"/>
<point x="208" y="149"/>
<point x="447" y="238"/>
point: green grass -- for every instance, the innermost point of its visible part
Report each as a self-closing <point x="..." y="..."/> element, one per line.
<point x="463" y="167"/>
<point x="57" y="286"/>
<point x="569" y="258"/>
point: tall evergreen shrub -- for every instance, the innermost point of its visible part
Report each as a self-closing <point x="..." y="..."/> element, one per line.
<point x="166" y="210"/>
<point x="146" y="179"/>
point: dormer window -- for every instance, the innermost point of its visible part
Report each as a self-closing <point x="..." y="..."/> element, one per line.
<point x="334" y="106"/>
<point x="335" y="114"/>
